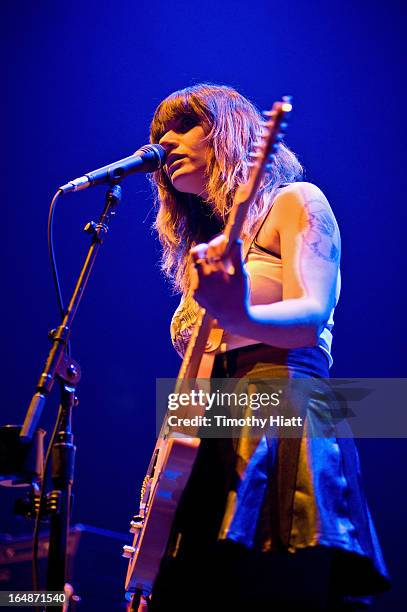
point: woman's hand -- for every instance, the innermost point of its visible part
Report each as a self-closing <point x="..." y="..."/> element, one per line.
<point x="221" y="285"/>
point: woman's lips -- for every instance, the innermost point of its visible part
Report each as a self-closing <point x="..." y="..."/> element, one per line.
<point x="175" y="164"/>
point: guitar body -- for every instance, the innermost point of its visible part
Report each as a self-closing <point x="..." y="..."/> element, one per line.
<point x="176" y="459"/>
<point x="175" y="453"/>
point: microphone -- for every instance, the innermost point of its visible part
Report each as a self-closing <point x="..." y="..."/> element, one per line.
<point x="146" y="159"/>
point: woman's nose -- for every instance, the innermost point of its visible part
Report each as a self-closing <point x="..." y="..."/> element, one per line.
<point x="169" y="140"/>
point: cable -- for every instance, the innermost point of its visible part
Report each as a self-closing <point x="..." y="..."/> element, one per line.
<point x="55" y="276"/>
<point x="52" y="258"/>
<point x="51" y="251"/>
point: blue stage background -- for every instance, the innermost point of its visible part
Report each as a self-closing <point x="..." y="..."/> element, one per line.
<point x="81" y="81"/>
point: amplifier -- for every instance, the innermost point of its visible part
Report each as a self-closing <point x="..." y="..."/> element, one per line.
<point x="95" y="567"/>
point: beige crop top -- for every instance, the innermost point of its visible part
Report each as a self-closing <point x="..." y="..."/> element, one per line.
<point x="265" y="276"/>
<point x="264" y="269"/>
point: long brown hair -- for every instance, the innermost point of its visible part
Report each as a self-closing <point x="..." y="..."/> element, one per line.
<point x="232" y="124"/>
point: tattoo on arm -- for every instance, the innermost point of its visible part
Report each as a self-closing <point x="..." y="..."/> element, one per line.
<point x="322" y="235"/>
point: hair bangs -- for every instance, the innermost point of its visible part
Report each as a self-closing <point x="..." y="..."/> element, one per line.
<point x="179" y="104"/>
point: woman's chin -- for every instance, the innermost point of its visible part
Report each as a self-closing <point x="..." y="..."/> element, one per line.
<point x="184" y="184"/>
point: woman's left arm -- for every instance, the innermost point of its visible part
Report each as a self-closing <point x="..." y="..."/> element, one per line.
<point x="310" y="254"/>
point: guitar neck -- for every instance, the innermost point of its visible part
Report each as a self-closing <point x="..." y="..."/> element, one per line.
<point x="237" y="216"/>
<point x="196" y="346"/>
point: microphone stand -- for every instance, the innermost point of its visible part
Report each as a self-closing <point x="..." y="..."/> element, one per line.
<point x="60" y="366"/>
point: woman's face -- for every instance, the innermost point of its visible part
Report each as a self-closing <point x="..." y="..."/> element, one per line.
<point x="187" y="155"/>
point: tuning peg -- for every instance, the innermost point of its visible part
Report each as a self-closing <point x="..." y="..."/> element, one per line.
<point x="268" y="113"/>
<point x="254" y="154"/>
<point x="287" y="104"/>
<point x="283" y="125"/>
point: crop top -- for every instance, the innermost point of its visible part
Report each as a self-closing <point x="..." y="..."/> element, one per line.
<point x="264" y="270"/>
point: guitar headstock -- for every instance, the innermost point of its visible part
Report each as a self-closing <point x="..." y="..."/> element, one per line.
<point x="265" y="147"/>
<point x="262" y="157"/>
<point x="273" y="130"/>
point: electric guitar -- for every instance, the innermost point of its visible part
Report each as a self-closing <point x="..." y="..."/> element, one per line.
<point x="174" y="454"/>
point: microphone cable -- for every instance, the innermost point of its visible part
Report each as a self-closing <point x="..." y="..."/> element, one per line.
<point x="42" y="496"/>
<point x="52" y="258"/>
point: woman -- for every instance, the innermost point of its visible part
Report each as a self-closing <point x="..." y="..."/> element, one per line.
<point x="266" y="523"/>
